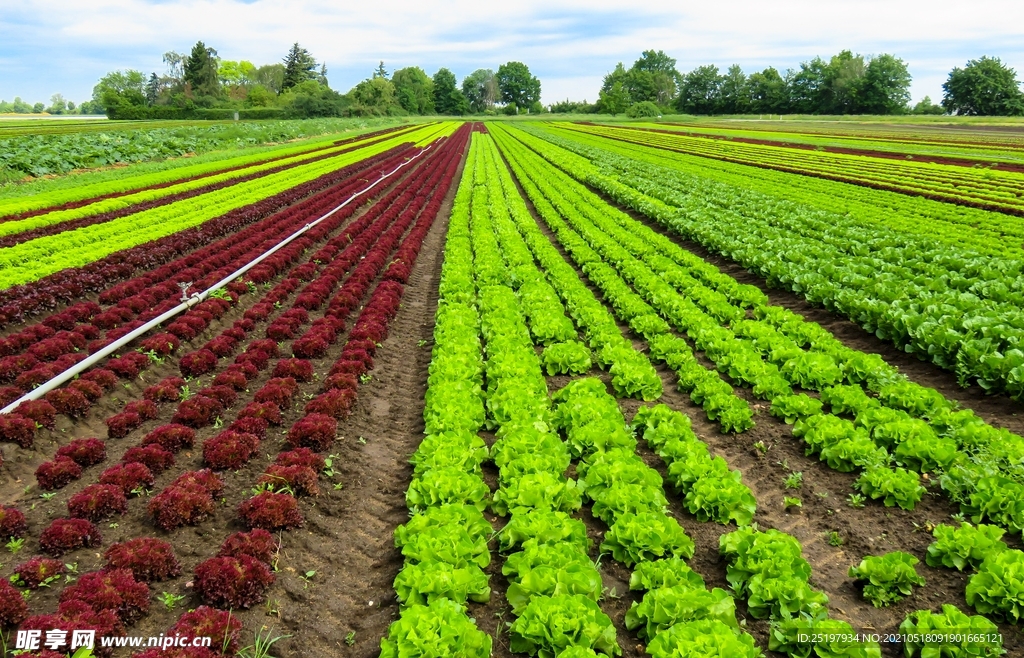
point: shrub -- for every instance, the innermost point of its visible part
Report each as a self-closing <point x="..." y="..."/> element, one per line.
<point x="258" y="544"/>
<point x="179" y="505"/>
<point x="128" y="477"/>
<point x="66" y="535"/>
<point x="221" y="626"/>
<point x="233" y="378"/>
<point x="230" y="450"/>
<point x="39" y="411"/>
<point x="301" y="457"/>
<point x="116" y="590"/>
<point x="97" y="502"/>
<point x="148" y="559"/>
<point x="198" y="363"/>
<point x="38" y="570"/>
<point x="336" y="403"/>
<point x="91" y="390"/>
<point x="121" y="425"/>
<point x="315" y="431"/>
<point x="57" y="474"/>
<point x="270" y="511"/>
<point x="12" y="523"/>
<point x="13" y="609"/>
<point x="146" y="409"/>
<point x="16" y="429"/>
<point x="198" y="411"/>
<point x="301" y="479"/>
<point x="152" y="456"/>
<point x="299" y="369"/>
<point x="232" y="582"/>
<point x="268" y="411"/>
<point x="68" y="401"/>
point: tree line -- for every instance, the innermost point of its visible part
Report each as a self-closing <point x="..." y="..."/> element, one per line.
<point x="200" y="83"/>
<point x="847" y="83"/>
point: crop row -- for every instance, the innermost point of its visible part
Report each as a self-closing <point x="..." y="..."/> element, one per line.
<point x="37" y="258"/>
<point x="239" y="574"/>
<point x="52" y="223"/>
<point x="998" y="191"/>
<point x="923" y="431"/>
<point x="131" y="185"/>
<point x="185" y="249"/>
<point x="985" y="232"/>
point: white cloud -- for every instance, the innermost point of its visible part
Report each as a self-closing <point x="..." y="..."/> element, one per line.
<point x="48" y="46"/>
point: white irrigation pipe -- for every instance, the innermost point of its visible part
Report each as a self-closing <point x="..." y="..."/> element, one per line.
<point x="191" y="301"/>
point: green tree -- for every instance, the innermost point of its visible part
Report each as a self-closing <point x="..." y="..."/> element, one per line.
<point x="259" y="96"/>
<point x="653" y="78"/>
<point x="236" y="74"/>
<point x="481" y="90"/>
<point x="808" y="87"/>
<point x="844" y="84"/>
<point x="701" y="91"/>
<point x="119" y="89"/>
<point x="377" y="92"/>
<point x="984" y="87"/>
<point x="414" y="90"/>
<point x="767" y="92"/>
<point x="299" y="66"/>
<point x="886" y="86"/>
<point x="734" y="93"/>
<point x="926" y="106"/>
<point x="614" y="96"/>
<point x="380" y="71"/>
<point x="517" y="85"/>
<point x="38" y="108"/>
<point x="58" y="105"/>
<point x="200" y="71"/>
<point x="448" y="100"/>
<point x="271" y="77"/>
<point x="152" y="89"/>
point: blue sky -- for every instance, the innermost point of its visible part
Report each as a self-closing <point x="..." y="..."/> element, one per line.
<point x="50" y="46"/>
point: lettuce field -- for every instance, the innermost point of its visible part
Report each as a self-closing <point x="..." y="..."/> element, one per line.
<point x="527" y="388"/>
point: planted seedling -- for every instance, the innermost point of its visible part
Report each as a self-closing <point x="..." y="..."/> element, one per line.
<point x="170" y="599"/>
<point x="792" y="503"/>
<point x="795" y="480"/>
<point x="834" y="539"/>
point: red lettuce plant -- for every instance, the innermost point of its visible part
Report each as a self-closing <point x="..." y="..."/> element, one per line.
<point x="270" y="511"/>
<point x="205" y="478"/>
<point x="68" y="401"/>
<point x="121" y="425"/>
<point x="37" y="570"/>
<point x="233" y="378"/>
<point x="101" y="376"/>
<point x="223" y="394"/>
<point x="230" y="450"/>
<point x="224" y="628"/>
<point x="301" y="457"/>
<point x="269" y="347"/>
<point x="91" y="390"/>
<point x="146" y="409"/>
<point x="250" y="425"/>
<point x="179" y="505"/>
<point x="257" y="543"/>
<point x="39" y="411"/>
<point x="336" y="403"/>
<point x="115" y="590"/>
<point x="301" y="479"/>
<point x="172" y="438"/>
<point x="12" y="523"/>
<point x="98" y="502"/>
<point x="315" y="431"/>
<point x="148" y="559"/>
<point x="168" y="390"/>
<point x="154" y="457"/>
<point x="268" y="411"/>
<point x="13" y="609"/>
<point x="16" y="429"/>
<point x="66" y="535"/>
<point x="198" y="363"/>
<point x="163" y="344"/>
<point x="57" y="474"/>
<point x="232" y="582"/>
<point x="84" y="452"/>
<point x="198" y="411"/>
<point x="299" y="369"/>
<point x="128" y="477"/>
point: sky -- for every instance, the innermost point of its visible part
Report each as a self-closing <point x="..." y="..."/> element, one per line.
<point x="65" y="46"/>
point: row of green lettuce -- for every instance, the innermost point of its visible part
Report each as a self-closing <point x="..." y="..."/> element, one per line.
<point x="768" y="570"/>
<point x="776" y="350"/>
<point x="37" y="258"/>
<point x="952" y="306"/>
<point x="996" y="189"/>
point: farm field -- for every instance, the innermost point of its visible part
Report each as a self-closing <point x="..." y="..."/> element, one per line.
<point x="523" y="388"/>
